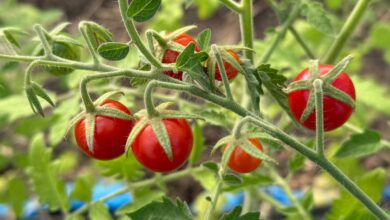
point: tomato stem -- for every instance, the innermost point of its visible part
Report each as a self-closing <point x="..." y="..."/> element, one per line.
<point x="301" y="42"/>
<point x="148" y="100"/>
<point x="222" y="71"/>
<point x="88" y="40"/>
<point x="346" y="31"/>
<point x="45" y="44"/>
<point x="246" y="25"/>
<point x="232" y="5"/>
<point x="282" y="32"/>
<point x="134" y="35"/>
<point x="319" y="94"/>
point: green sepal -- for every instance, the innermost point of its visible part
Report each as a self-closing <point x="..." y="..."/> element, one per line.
<point x="264" y="137"/>
<point x="34" y="102"/>
<point x="251" y="149"/>
<point x="178" y="32"/>
<point x="39" y="91"/>
<point x="90" y="130"/>
<point x="221" y="142"/>
<point x="73" y="121"/>
<point x="106" y="96"/>
<point x="162" y="136"/>
<point x="335" y="72"/>
<point x="211" y="70"/>
<point x="309" y="107"/>
<point x="113" y="113"/>
<point x="135" y="131"/>
<point x="227" y="57"/>
<point x="339" y="95"/>
<point x="298" y="85"/>
<point x="226" y="155"/>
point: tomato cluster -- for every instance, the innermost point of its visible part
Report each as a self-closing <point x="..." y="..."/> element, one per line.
<point x="111" y="135"/>
<point x="170" y="56"/>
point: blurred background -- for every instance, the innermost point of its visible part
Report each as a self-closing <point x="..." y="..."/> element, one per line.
<point x="370" y="71"/>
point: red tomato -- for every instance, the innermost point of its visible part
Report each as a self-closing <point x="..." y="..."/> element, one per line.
<point x="336" y="112"/>
<point x="170" y="56"/>
<point x="110" y="134"/>
<point x="231" y="72"/>
<point x="149" y="152"/>
<point x="242" y="162"/>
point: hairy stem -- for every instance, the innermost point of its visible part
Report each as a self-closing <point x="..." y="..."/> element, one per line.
<point x="246" y="24"/>
<point x="320" y="140"/>
<point x="346" y="31"/>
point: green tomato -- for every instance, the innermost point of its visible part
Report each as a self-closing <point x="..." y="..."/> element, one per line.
<point x="66" y="51"/>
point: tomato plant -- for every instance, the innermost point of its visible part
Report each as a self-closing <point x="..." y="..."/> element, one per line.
<point x="187" y="107"/>
<point x="110" y="134"/>
<point x="149" y="152"/>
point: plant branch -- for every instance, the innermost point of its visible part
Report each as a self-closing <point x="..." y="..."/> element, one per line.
<point x="246" y="25"/>
<point x="134" y="35"/>
<point x="83" y="31"/>
<point x="232" y="5"/>
<point x="346" y="31"/>
<point x="301" y="42"/>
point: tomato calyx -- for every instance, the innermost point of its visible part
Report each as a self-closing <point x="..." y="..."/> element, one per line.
<point x="230" y="143"/>
<point x="156" y="122"/>
<point x="97" y="110"/>
<point x="220" y="58"/>
<point x="328" y="88"/>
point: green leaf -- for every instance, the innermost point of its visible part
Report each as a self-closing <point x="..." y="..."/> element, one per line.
<point x="232" y="179"/>
<point x="45" y="176"/>
<point x="371" y="183"/>
<point x="296" y="162"/>
<point x="17" y="194"/>
<point x="186" y="57"/>
<point x="121" y="168"/>
<point x="235" y="214"/>
<point x="143" y="10"/>
<point x="82" y="189"/>
<point x="113" y="50"/>
<point x="203" y="39"/>
<point x="163" y="210"/>
<point x="198" y="146"/>
<point x="317" y="17"/>
<point x="98" y="33"/>
<point x="142" y="197"/>
<point x="211" y="166"/>
<point x="162" y="136"/>
<point x="274" y="83"/>
<point x="99" y="211"/>
<point x="359" y="145"/>
<point x="253" y="180"/>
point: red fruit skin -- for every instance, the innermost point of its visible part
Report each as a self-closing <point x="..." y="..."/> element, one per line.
<point x="231" y="72"/>
<point x="242" y="162"/>
<point x="150" y="153"/>
<point x="170" y="56"/>
<point x="110" y="134"/>
<point x="336" y="113"/>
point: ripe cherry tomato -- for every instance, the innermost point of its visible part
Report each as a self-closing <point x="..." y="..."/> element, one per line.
<point x="110" y="134"/>
<point x="170" y="56"/>
<point x="66" y="51"/>
<point x="336" y="112"/>
<point x="150" y="153"/>
<point x="231" y="72"/>
<point x="242" y="162"/>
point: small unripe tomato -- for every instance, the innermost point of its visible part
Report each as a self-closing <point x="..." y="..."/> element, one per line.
<point x="149" y="152"/>
<point x="66" y="51"/>
<point x="170" y="56"/>
<point x="242" y="162"/>
<point x="336" y="112"/>
<point x="231" y="72"/>
<point x="110" y="134"/>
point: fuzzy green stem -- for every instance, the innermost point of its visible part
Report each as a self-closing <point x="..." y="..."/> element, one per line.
<point x="346" y="31"/>
<point x="232" y="5"/>
<point x="148" y="100"/>
<point x="88" y="40"/>
<point x="246" y="25"/>
<point x="281" y="182"/>
<point x="319" y="93"/>
<point x="301" y="42"/>
<point x="133" y="33"/>
<point x="45" y="44"/>
<point x="217" y="192"/>
<point x="286" y="25"/>
<point x="222" y="71"/>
